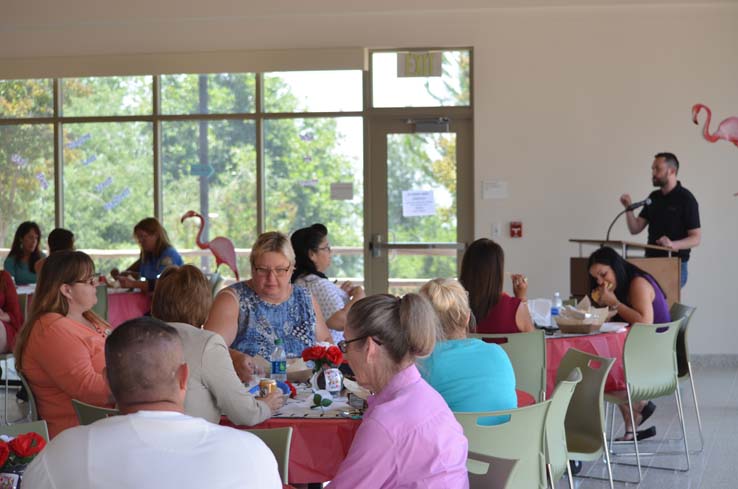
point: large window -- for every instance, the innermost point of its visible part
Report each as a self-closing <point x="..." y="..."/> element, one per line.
<point x="205" y="158"/>
<point x="251" y="152"/>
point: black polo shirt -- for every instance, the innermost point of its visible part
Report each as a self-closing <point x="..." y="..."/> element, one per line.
<point x="671" y="215"/>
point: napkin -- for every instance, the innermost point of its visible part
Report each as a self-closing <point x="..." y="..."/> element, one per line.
<point x="540" y="311"/>
<point x="356" y="389"/>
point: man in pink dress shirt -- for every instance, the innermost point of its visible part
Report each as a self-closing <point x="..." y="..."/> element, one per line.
<point x="409" y="437"/>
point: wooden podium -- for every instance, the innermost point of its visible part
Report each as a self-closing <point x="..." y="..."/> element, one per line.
<point x="666" y="270"/>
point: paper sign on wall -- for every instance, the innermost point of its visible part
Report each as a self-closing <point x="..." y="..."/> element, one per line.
<point x="494" y="189"/>
<point x="418" y="203"/>
<point x="342" y="191"/>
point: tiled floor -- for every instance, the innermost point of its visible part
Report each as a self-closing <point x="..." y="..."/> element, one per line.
<point x="713" y="468"/>
<point x="716" y="467"/>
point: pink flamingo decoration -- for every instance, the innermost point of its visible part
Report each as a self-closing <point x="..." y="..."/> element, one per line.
<point x="728" y="129"/>
<point x="222" y="248"/>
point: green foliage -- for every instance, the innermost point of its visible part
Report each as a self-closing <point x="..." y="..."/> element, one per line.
<point x="108" y="168"/>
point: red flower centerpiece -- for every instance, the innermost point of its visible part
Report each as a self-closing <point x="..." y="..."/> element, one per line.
<point x="328" y="356"/>
<point x="325" y="360"/>
<point x="16" y="454"/>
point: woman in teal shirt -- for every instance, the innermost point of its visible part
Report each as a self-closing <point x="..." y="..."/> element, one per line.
<point x="24" y="253"/>
<point x="470" y="374"/>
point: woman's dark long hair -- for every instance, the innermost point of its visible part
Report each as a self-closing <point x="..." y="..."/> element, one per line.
<point x="304" y="241"/>
<point x="624" y="272"/>
<point x="482" y="270"/>
<point x="16" y="250"/>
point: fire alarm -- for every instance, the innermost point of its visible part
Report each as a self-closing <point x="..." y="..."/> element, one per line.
<point x="516" y="229"/>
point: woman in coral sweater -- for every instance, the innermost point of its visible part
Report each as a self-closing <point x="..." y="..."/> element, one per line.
<point x="61" y="348"/>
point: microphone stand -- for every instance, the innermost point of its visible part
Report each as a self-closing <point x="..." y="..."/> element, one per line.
<point x="607" y="238"/>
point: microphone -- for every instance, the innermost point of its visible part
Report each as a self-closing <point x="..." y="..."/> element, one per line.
<point x="633" y="206"/>
<point x="636" y="205"/>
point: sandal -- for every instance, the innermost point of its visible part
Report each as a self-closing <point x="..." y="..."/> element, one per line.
<point x="641" y="434"/>
<point x="647" y="411"/>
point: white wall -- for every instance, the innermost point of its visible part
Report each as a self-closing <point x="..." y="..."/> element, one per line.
<point x="571" y="105"/>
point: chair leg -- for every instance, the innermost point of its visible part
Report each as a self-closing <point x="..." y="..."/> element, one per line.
<point x="551" y="482"/>
<point x="678" y="396"/>
<point x="7" y="390"/>
<point x="612" y="423"/>
<point x="569" y="476"/>
<point x="607" y="456"/>
<point x="635" y="433"/>
<point x="696" y="406"/>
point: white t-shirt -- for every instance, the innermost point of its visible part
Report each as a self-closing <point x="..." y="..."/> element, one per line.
<point x="153" y="449"/>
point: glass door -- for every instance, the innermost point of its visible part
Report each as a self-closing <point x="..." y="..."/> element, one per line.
<point x="420" y="188"/>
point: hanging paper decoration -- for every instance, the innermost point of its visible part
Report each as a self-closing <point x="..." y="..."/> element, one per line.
<point x="103" y="185"/>
<point x="307" y="136"/>
<point x="307" y="159"/>
<point x="19" y="160"/>
<point x="117" y="199"/>
<point x="80" y="141"/>
<point x="42" y="180"/>
<point x="89" y="160"/>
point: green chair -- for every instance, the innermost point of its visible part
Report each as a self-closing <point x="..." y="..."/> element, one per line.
<point x="215" y="280"/>
<point x="527" y="352"/>
<point x="557" y="460"/>
<point x="649" y="360"/>
<point x="21" y="428"/>
<point x="684" y="366"/>
<point x="521" y="438"/>
<point x="32" y="409"/>
<point x="88" y="414"/>
<point x="101" y="307"/>
<point x="487" y="472"/>
<point x="278" y="440"/>
<point x="585" y="418"/>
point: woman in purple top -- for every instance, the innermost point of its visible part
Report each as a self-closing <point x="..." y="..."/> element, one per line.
<point x="409" y="437"/>
<point x="638" y="298"/>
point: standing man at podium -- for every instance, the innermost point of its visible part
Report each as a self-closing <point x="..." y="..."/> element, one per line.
<point x="672" y="217"/>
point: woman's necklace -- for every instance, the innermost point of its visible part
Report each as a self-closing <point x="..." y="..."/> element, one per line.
<point x="93" y="326"/>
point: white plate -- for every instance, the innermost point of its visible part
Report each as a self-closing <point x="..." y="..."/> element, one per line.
<point x="613" y="327"/>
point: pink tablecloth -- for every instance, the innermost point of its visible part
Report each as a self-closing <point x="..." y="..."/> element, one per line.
<point x="608" y="345"/>
<point x="123" y="306"/>
<point x="318" y="445"/>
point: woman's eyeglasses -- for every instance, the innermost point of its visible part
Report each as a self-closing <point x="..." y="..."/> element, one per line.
<point x="90" y="281"/>
<point x="265" y="272"/>
<point x="343" y="344"/>
<point x="324" y="248"/>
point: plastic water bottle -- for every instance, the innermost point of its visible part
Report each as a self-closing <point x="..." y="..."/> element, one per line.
<point x="279" y="362"/>
<point x="556" y="305"/>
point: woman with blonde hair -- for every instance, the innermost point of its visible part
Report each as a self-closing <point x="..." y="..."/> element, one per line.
<point x="253" y="314"/>
<point x="60" y="349"/>
<point x="157" y="253"/>
<point x="182" y="298"/>
<point x="470" y="374"/>
<point x="408" y="437"/>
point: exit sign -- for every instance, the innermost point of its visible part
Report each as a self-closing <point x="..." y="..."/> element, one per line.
<point x="419" y="63"/>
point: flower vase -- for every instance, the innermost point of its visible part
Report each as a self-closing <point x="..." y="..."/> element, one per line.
<point x="330" y="379"/>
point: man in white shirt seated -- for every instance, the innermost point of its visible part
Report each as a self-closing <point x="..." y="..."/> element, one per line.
<point x="152" y="444"/>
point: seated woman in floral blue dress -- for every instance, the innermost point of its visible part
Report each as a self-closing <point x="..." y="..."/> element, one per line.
<point x="251" y="315"/>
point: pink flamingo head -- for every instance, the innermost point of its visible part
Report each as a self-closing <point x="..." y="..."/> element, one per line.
<point x="189" y="214"/>
<point x="696" y="108"/>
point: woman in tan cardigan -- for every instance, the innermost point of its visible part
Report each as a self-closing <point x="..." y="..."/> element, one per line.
<point x="182" y="298"/>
